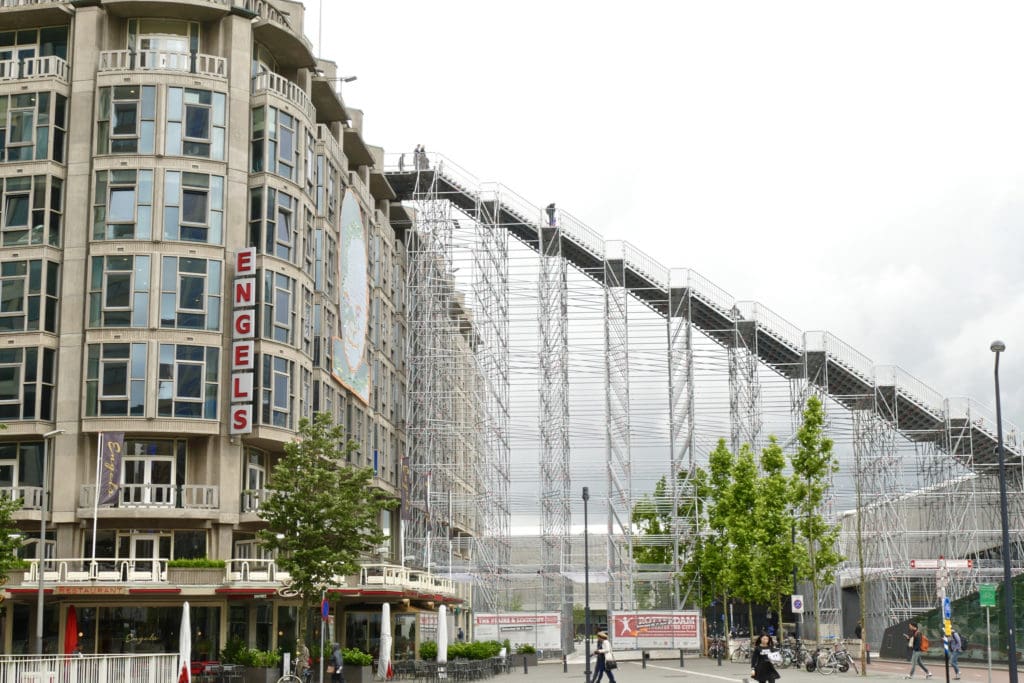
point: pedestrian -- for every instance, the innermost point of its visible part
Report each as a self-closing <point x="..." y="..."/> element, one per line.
<point x="550" y="208"/>
<point x="915" y="641"/>
<point x="417" y="158"/>
<point x="461" y="635"/>
<point x="338" y="662"/>
<point x="605" y="659"/>
<point x="401" y="162"/>
<point x="956" y="646"/>
<point x="303" y="661"/>
<point x="423" y="158"/>
<point x="761" y="667"/>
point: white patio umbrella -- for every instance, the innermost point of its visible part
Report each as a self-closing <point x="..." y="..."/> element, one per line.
<point x="442" y="635"/>
<point x="384" y="661"/>
<point x="185" y="646"/>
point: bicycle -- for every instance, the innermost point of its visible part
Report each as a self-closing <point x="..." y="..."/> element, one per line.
<point x="307" y="675"/>
<point x="741" y="653"/>
<point x="716" y="648"/>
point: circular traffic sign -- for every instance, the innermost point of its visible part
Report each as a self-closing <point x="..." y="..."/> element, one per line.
<point x="798" y="603"/>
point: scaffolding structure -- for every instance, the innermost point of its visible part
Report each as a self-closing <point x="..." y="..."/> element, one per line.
<point x="670" y="364"/>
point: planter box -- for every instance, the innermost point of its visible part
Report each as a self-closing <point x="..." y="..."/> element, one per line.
<point x="15" y="577"/>
<point x="194" y="576"/>
<point x="355" y="674"/>
<point x="530" y="657"/>
<point x="261" y="674"/>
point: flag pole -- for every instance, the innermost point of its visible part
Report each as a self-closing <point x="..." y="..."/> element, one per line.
<point x="96" y="501"/>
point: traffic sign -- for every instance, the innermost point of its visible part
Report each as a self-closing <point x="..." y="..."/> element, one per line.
<point x="947" y="608"/>
<point x="947" y="626"/>
<point x="798" y="604"/>
<point x="987" y="594"/>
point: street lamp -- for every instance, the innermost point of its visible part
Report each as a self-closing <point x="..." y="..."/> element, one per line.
<point x="998" y="347"/>
<point x="42" y="542"/>
<point x="586" y="589"/>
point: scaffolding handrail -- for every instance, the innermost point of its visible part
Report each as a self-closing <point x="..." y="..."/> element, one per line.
<point x="520" y="206"/>
<point x="580" y="233"/>
<point x="709" y="291"/>
<point x="840" y="352"/>
<point x="645" y="264"/>
<point x="772" y="322"/>
<point x="911" y="387"/>
<point x="982" y="417"/>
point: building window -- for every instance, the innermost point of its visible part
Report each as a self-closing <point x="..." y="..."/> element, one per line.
<point x="275" y="146"/>
<point x="193" y="207"/>
<point x="190" y="293"/>
<point x="255" y="483"/>
<point x="29" y="43"/>
<point x="309" y="172"/>
<point x="115" y="380"/>
<point x="25" y="215"/>
<point x="126" y="121"/>
<point x="278" y="307"/>
<point x="273" y="226"/>
<point x="26" y="305"/>
<point x="152" y="471"/>
<point x="31" y="125"/>
<point x="277" y="392"/>
<point x="119" y="291"/>
<point x="26" y="383"/>
<point x="196" y="123"/>
<point x="123" y="205"/>
<point x="188" y="381"/>
<point x="163" y="43"/>
<point x="307" y="322"/>
<point x="21" y="465"/>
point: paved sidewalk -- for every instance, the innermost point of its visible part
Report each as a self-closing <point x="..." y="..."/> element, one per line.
<point x="702" y="670"/>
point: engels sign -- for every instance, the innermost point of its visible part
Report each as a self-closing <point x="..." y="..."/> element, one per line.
<point x="243" y="334"/>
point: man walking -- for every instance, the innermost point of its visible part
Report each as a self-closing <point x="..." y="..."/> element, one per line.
<point x="916" y="642"/>
<point x="956" y="646"/>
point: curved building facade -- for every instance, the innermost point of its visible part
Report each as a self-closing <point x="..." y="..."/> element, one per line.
<point x="195" y="253"/>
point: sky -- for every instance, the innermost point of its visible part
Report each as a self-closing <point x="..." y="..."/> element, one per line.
<point x="855" y="167"/>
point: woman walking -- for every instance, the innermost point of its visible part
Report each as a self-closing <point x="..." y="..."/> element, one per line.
<point x="605" y="659"/>
<point x="761" y="668"/>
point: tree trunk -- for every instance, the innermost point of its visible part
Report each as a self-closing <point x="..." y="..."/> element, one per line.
<point x="300" y="628"/>
<point x="750" y="619"/>
<point x="725" y="615"/>
<point x="780" y="633"/>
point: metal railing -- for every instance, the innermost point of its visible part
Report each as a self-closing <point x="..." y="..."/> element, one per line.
<point x="34" y="67"/>
<point x="188" y="496"/>
<point x="645" y="265"/>
<point x="984" y="418"/>
<point x="911" y="387"/>
<point x="840" y="352"/>
<point x="149" y="668"/>
<point x="272" y="83"/>
<point x="708" y="291"/>
<point x="161" y="60"/>
<point x="404" y="577"/>
<point x="580" y="233"/>
<point x="772" y="322"/>
<point x="255" y="570"/>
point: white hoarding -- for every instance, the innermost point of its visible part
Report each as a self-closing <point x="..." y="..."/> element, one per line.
<point x="656" y="630"/>
<point x="543" y="630"/>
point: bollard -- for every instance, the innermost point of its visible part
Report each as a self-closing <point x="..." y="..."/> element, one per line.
<point x="682" y="662"/>
<point x="526" y="667"/>
<point x="643" y="659"/>
<point x="565" y="664"/>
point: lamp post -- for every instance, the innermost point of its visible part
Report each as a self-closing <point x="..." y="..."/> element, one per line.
<point x="42" y="541"/>
<point x="998" y="347"/>
<point x="586" y="590"/>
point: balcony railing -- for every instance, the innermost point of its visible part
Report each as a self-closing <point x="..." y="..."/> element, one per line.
<point x="34" y="67"/>
<point x="254" y="570"/>
<point x="404" y="577"/>
<point x="85" y="569"/>
<point x="160" y="60"/>
<point x="100" y="668"/>
<point x="29" y="3"/>
<point x="189" y="497"/>
<point x="271" y="82"/>
<point x="265" y="10"/>
<point x="31" y="496"/>
<point x="253" y="498"/>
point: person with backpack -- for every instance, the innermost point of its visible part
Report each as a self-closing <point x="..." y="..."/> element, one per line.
<point x="956" y="646"/>
<point x="918" y="643"/>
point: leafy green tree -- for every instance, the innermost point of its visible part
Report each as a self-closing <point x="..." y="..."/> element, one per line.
<point x="10" y="539"/>
<point x="742" y="529"/>
<point x="776" y="556"/>
<point x="652" y="517"/>
<point x="813" y="466"/>
<point x="322" y="514"/>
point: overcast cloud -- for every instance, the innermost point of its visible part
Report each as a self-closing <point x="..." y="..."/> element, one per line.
<point x="856" y="167"/>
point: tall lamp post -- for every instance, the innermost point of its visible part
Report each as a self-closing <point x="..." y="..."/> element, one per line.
<point x="586" y="589"/>
<point x="42" y="540"/>
<point x="998" y="347"/>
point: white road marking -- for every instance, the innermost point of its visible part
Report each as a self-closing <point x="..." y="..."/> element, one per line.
<point x="694" y="673"/>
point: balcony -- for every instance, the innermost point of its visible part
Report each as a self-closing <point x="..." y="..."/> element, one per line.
<point x="31" y="13"/>
<point x="291" y="48"/>
<point x="272" y="83"/>
<point x="31" y="496"/>
<point x="85" y="570"/>
<point x="255" y="571"/>
<point x="404" y="578"/>
<point x="34" y="67"/>
<point x="253" y="498"/>
<point x="159" y="60"/>
<point x="158" y="497"/>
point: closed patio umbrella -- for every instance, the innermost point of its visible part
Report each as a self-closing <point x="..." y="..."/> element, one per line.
<point x="71" y="631"/>
<point x="384" y="661"/>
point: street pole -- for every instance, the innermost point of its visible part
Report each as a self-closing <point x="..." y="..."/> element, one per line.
<point x="988" y="633"/>
<point x="42" y="541"/>
<point x="586" y="589"/>
<point x="796" y="618"/>
<point x="998" y="347"/>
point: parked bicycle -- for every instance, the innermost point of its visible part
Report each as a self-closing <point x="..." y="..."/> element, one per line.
<point x="294" y="677"/>
<point x="741" y="653"/>
<point x="717" y="648"/>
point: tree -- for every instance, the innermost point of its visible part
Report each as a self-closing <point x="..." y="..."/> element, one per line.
<point x="813" y="465"/>
<point x="322" y="514"/>
<point x="742" y="530"/>
<point x="775" y="558"/>
<point x="10" y="539"/>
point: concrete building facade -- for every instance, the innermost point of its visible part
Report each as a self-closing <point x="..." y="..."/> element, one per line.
<point x="145" y="146"/>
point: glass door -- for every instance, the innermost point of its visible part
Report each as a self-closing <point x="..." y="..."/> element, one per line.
<point x="145" y="552"/>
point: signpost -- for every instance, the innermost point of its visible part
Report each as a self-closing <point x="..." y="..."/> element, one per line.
<point x="987" y="598"/>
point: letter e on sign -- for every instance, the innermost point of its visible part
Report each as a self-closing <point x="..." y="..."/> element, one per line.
<point x="242" y="355"/>
<point x="245" y="262"/>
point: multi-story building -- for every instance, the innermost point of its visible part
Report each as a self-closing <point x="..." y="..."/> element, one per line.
<point x="154" y="154"/>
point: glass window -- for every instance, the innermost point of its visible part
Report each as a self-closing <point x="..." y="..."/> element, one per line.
<point x="116" y="380"/>
<point x="26" y="383"/>
<point x="32" y="126"/>
<point x="119" y="291"/>
<point x="190" y="293"/>
<point x="188" y="381"/>
<point x="193" y="207"/>
<point x="275" y="142"/>
<point x="196" y="123"/>
<point x="28" y="296"/>
<point x="123" y="207"/>
<point x="278" y="307"/>
<point x="126" y="120"/>
<point x="277" y="392"/>
<point x="274" y="227"/>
